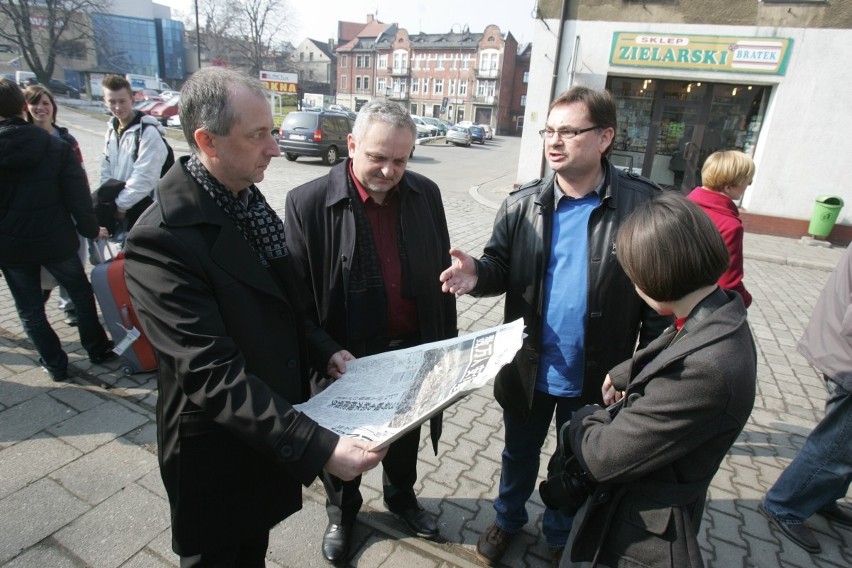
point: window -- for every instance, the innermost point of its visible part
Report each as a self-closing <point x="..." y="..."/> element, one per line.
<point x="380" y="85"/>
<point x="358" y="83"/>
<point x="415" y="85"/>
<point x="439" y="86"/>
<point x="425" y="85"/>
<point x="344" y="82"/>
<point x="523" y="100"/>
<point x="366" y="61"/>
<point x="301" y="56"/>
<point x="366" y="83"/>
<point x="311" y="56"/>
<point x="462" y="88"/>
<point x="382" y="61"/>
<point x="439" y="65"/>
<point x="480" y="88"/>
<point x="526" y="76"/>
<point x="451" y="90"/>
<point x="344" y="61"/>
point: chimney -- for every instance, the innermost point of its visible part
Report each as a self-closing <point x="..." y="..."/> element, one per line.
<point x="369" y="18"/>
<point x="331" y="44"/>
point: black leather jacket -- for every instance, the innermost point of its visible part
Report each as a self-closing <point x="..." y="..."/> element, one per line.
<point x="516" y="257"/>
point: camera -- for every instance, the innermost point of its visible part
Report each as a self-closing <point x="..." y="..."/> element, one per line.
<point x="567" y="486"/>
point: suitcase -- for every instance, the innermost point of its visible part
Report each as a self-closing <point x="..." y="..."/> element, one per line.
<point x="110" y="289"/>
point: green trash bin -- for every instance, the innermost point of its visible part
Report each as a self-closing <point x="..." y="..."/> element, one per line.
<point x="826" y="210"/>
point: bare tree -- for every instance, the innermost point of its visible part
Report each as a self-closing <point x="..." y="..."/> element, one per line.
<point x="259" y="25"/>
<point x="40" y="27"/>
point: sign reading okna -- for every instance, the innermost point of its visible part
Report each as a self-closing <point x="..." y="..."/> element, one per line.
<point x="702" y="53"/>
<point x="280" y="82"/>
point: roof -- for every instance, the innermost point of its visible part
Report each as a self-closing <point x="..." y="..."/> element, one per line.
<point x="466" y="40"/>
<point x="323" y="46"/>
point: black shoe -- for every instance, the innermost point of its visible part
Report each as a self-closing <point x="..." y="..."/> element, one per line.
<point x="71" y="318"/>
<point x="799" y="533"/>
<point x="335" y="542"/>
<point x="418" y="520"/>
<point x="837" y="515"/>
<point x="106" y="355"/>
<point x="57" y="376"/>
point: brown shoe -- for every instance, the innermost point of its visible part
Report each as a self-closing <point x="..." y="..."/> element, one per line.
<point x="555" y="555"/>
<point x="493" y="544"/>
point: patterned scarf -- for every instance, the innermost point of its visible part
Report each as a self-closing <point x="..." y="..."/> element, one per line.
<point x="256" y="220"/>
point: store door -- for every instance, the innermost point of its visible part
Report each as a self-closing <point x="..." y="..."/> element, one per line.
<point x="671" y="159"/>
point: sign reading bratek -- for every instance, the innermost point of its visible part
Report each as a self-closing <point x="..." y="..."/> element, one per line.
<point x="280" y="82"/>
<point x="701" y="53"/>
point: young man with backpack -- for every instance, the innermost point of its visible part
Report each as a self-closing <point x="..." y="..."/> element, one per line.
<point x="135" y="157"/>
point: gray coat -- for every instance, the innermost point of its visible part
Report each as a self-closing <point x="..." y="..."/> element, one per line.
<point x="827" y="341"/>
<point x="688" y="397"/>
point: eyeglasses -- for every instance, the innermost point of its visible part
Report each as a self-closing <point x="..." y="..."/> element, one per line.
<point x="564" y="134"/>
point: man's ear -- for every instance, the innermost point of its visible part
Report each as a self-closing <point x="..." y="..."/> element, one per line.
<point x="206" y="142"/>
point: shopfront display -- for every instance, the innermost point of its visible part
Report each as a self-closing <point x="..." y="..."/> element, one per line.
<point x="667" y="128"/>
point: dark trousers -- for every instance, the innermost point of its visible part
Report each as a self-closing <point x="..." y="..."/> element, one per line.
<point x="399" y="468"/>
<point x="25" y="285"/>
<point x="343" y="498"/>
<point x="248" y="554"/>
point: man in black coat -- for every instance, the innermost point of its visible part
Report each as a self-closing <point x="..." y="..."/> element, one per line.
<point x="44" y="204"/>
<point x="209" y="275"/>
<point x="371" y="239"/>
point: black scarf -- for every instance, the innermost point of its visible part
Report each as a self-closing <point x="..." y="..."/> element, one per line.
<point x="256" y="220"/>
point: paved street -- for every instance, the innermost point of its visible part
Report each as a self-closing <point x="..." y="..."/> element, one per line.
<point x="79" y="483"/>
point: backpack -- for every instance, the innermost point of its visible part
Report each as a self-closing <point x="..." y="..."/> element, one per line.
<point x="170" y="154"/>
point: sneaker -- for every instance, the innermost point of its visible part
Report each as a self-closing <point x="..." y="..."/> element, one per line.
<point x="71" y="318"/>
<point x="492" y="545"/>
<point x="799" y="533"/>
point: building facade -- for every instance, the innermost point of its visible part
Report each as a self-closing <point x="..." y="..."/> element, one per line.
<point x="316" y="64"/>
<point x="694" y="76"/>
<point x="456" y="76"/>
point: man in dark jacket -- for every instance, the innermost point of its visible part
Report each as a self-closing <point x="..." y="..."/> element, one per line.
<point x="209" y="274"/>
<point x="44" y="204"/>
<point x="552" y="251"/>
<point x="371" y="239"/>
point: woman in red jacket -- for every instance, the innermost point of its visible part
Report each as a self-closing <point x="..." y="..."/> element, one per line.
<point x="725" y="176"/>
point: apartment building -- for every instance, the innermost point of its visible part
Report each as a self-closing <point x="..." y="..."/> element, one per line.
<point x="456" y="76"/>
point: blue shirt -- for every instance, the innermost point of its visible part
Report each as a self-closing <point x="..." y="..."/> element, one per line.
<point x="560" y="370"/>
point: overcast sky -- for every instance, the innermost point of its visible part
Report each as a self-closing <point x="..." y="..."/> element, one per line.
<point x="317" y="19"/>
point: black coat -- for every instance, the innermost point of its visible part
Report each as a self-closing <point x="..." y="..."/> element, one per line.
<point x="515" y="259"/>
<point x="320" y="228"/>
<point x="44" y="197"/>
<point x="687" y="399"/>
<point x="231" y="345"/>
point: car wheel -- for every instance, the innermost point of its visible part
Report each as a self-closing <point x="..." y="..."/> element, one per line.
<point x="411" y="154"/>
<point x="467" y="145"/>
<point x="291" y="157"/>
<point x="446" y="141"/>
<point x="330" y="156"/>
<point x="481" y="142"/>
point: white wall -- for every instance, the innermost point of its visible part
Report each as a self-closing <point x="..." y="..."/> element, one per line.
<point x="805" y="145"/>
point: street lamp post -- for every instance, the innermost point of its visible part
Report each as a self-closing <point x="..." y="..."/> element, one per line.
<point x="197" y="35"/>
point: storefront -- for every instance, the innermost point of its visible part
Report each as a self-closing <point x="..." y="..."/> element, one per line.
<point x="667" y="128"/>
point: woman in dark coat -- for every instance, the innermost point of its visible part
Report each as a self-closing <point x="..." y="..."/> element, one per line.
<point x="686" y="398"/>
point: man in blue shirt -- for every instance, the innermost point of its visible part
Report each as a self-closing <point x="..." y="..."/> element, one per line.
<point x="552" y="251"/>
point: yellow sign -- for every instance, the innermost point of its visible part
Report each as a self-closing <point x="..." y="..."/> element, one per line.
<point x="767" y="55"/>
<point x="279" y="87"/>
<point x="278" y="82"/>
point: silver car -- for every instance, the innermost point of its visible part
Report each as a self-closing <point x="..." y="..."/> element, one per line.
<point x="458" y="135"/>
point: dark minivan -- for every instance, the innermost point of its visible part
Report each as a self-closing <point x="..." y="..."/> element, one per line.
<point x="315" y="134"/>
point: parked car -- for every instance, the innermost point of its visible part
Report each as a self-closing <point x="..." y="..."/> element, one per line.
<point x="423" y="130"/>
<point x="458" y="135"/>
<point x="147" y="95"/>
<point x="145" y="106"/>
<point x="477" y="134"/>
<point x="439" y="124"/>
<point x="173" y="121"/>
<point x="489" y="133"/>
<point x="315" y="134"/>
<point x="418" y="120"/>
<point x="61" y="88"/>
<point x="165" y="109"/>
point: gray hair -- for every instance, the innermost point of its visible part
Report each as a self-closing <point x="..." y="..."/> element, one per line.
<point x="382" y="111"/>
<point x="205" y="101"/>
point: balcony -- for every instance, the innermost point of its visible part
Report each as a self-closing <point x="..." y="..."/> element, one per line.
<point x="401" y="95"/>
<point x="399" y="71"/>
<point x="487" y="73"/>
<point x="489" y="100"/>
